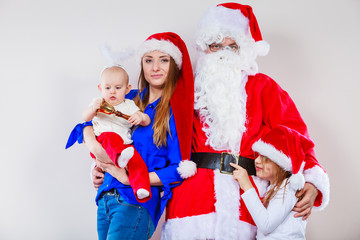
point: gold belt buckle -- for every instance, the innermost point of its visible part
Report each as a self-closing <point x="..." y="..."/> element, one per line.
<point x="222" y="162"/>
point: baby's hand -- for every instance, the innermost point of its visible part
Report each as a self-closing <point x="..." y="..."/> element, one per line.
<point x="136" y="118"/>
<point x="240" y="174"/>
<point x="96" y="105"/>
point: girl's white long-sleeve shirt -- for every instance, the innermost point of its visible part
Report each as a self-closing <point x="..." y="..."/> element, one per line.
<point x="277" y="221"/>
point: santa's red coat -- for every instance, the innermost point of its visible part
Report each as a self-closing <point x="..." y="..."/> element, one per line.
<point x="202" y="207"/>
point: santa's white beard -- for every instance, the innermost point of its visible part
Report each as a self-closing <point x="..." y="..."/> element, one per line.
<point x="220" y="97"/>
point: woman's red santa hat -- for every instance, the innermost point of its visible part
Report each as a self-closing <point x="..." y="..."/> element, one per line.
<point x="182" y="100"/>
<point x="287" y="148"/>
<point x="230" y="20"/>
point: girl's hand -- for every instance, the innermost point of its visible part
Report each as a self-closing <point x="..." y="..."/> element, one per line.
<point x="307" y="197"/>
<point x="241" y="175"/>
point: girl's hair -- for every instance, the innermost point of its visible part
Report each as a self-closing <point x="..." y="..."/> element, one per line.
<point x="162" y="115"/>
<point x="281" y="176"/>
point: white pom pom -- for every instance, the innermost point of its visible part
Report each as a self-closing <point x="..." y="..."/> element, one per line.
<point x="186" y="169"/>
<point x="297" y="181"/>
<point x="262" y="48"/>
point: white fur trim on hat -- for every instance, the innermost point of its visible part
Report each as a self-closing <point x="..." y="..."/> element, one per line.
<point x="275" y="155"/>
<point x="187" y="169"/>
<point x="219" y="22"/>
<point x="164" y="46"/>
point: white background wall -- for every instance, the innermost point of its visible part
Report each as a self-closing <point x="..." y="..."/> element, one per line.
<point x="49" y="67"/>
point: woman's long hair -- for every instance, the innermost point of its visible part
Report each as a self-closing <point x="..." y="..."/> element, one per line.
<point x="162" y="115"/>
<point x="281" y="176"/>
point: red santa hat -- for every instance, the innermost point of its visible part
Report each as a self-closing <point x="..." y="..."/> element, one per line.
<point x="182" y="100"/>
<point x="287" y="148"/>
<point x="230" y="20"/>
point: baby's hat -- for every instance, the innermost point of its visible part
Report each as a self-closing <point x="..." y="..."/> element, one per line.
<point x="287" y="148"/>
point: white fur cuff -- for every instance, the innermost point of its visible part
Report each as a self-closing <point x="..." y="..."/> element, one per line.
<point x="320" y="179"/>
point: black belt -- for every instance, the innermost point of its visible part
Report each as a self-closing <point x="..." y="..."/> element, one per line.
<point x="222" y="162"/>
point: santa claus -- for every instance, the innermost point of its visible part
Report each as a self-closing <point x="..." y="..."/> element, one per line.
<point x="234" y="106"/>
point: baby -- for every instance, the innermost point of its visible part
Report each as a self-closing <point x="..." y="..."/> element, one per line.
<point x="113" y="132"/>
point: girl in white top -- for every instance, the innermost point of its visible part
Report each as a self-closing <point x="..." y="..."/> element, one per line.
<point x="282" y="152"/>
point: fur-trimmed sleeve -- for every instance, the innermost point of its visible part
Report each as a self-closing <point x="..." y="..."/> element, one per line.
<point x="279" y="108"/>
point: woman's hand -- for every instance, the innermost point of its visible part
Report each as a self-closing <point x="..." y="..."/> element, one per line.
<point x="97" y="177"/>
<point x="307" y="197"/>
<point x="119" y="173"/>
<point x="240" y="174"/>
<point x="94" y="146"/>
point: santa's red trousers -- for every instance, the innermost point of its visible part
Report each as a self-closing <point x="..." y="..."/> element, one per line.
<point x="138" y="171"/>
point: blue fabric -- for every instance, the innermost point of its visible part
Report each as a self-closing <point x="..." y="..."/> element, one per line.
<point x="117" y="219"/>
<point x="163" y="161"/>
<point x="132" y="94"/>
<point x="77" y="134"/>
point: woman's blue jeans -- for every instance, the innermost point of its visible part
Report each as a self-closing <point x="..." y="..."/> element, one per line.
<point x="118" y="219"/>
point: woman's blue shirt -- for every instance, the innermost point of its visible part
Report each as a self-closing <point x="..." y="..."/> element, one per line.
<point x="162" y="160"/>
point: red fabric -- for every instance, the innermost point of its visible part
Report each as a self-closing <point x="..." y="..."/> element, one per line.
<point x="182" y="100"/>
<point x="138" y="171"/>
<point x="247" y="11"/>
<point x="318" y="200"/>
<point x="188" y="198"/>
<point x="267" y="106"/>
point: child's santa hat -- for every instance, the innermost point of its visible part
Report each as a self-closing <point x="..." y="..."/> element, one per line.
<point x="182" y="100"/>
<point x="230" y="20"/>
<point x="287" y="148"/>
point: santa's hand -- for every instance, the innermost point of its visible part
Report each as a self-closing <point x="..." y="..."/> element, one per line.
<point x="240" y="174"/>
<point x="307" y="197"/>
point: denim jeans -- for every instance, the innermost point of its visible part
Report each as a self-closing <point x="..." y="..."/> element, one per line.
<point x="117" y="219"/>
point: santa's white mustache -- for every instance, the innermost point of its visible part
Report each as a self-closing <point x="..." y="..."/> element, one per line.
<point x="219" y="87"/>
